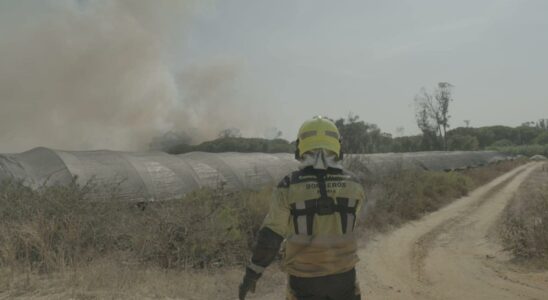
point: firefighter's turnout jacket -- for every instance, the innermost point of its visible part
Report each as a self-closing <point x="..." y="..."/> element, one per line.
<point x="316" y="212"/>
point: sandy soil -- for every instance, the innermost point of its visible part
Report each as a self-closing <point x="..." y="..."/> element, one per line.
<point x="452" y="254"/>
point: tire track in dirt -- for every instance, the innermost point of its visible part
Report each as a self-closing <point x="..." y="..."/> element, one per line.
<point x="420" y="250"/>
<point x="447" y="254"/>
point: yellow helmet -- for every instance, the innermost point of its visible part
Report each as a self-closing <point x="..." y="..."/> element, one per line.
<point x="318" y="133"/>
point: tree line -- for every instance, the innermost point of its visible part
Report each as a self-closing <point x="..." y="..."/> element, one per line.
<point x="432" y="117"/>
<point x="362" y="137"/>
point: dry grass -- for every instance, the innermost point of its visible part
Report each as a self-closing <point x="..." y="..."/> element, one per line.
<point x="109" y="279"/>
<point x="524" y="227"/>
<point x="56" y="245"/>
<point x="408" y="195"/>
<point x="483" y="175"/>
<point x="55" y="233"/>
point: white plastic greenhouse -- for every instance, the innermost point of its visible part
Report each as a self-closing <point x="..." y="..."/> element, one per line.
<point x="157" y="176"/>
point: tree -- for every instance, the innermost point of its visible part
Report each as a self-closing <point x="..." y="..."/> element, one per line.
<point x="230" y="133"/>
<point x="429" y="139"/>
<point x="433" y="111"/>
<point x="542" y="139"/>
<point x="272" y="133"/>
<point x="408" y="144"/>
<point x="169" y="141"/>
<point x="502" y="143"/>
<point x="361" y="137"/>
<point x="400" y="131"/>
<point x="526" y="133"/>
<point x="463" y="142"/>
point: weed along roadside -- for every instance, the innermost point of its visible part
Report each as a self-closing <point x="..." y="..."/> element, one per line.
<point x="524" y="222"/>
<point x="406" y="196"/>
<point x="54" y="241"/>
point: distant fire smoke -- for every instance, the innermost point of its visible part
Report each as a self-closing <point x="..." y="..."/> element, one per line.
<point x="78" y="74"/>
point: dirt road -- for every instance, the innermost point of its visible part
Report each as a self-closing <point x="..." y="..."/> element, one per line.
<point x="450" y="254"/>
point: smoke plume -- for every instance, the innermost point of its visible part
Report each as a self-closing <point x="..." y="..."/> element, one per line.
<point x="79" y="74"/>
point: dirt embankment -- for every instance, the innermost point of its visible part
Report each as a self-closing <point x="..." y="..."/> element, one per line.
<point x="451" y="253"/>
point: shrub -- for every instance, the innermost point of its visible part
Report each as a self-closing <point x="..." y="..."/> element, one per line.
<point x="481" y="176"/>
<point x="503" y="143"/>
<point x="408" y="195"/>
<point x="524" y="227"/>
<point x="57" y="227"/>
<point x="52" y="227"/>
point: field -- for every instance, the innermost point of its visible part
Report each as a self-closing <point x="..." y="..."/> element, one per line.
<point x="55" y="244"/>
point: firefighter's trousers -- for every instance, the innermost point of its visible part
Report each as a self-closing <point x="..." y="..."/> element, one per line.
<point x="342" y="286"/>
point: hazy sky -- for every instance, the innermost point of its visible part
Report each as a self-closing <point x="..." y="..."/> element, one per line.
<point x="303" y="58"/>
<point x="87" y="74"/>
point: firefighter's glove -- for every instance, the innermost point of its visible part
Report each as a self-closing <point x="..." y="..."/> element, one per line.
<point x="249" y="282"/>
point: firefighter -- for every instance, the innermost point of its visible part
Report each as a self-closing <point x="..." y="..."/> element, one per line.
<point x="315" y="211"/>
